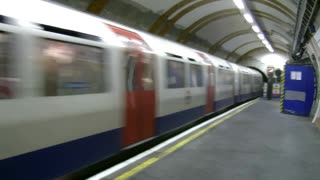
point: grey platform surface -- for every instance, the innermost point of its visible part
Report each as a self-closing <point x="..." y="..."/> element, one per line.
<point x="258" y="143"/>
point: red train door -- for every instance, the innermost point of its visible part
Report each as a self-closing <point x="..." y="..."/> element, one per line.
<point x="140" y="93"/>
<point x="210" y="86"/>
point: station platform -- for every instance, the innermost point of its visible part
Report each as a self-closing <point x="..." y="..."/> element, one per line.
<point x="254" y="141"/>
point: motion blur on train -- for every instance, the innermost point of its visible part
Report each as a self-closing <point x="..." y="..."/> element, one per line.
<point x="76" y="89"/>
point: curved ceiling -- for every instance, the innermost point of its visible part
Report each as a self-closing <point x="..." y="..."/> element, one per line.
<point x="220" y="23"/>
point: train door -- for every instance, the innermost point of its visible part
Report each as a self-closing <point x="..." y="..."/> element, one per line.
<point x="140" y="93"/>
<point x="236" y="83"/>
<point x="210" y="85"/>
<point x="252" y="84"/>
<point x="241" y="89"/>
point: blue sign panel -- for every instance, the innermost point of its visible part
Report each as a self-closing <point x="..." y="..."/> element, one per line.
<point x="299" y="89"/>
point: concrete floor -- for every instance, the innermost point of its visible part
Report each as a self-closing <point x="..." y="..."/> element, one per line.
<point x="258" y="143"/>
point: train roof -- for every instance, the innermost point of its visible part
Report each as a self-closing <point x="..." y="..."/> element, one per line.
<point x="220" y="63"/>
<point x="45" y="13"/>
<point x="50" y="14"/>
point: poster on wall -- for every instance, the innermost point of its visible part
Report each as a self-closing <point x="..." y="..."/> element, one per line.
<point x="276" y="90"/>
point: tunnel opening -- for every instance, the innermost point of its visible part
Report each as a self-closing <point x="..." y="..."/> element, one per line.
<point x="265" y="78"/>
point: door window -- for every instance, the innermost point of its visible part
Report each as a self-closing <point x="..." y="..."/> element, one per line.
<point x="147" y="79"/>
<point x="196" y="79"/>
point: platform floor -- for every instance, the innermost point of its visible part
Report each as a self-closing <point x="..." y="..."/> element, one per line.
<point x="257" y="143"/>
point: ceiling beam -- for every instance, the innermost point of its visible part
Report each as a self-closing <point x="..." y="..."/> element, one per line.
<point x="225" y="39"/>
<point x="204" y="21"/>
<point x="162" y="30"/>
<point x="164" y="17"/>
<point x="283" y="47"/>
<point x="272" y="18"/>
<point x="256" y="49"/>
<point x="228" y="37"/>
<point x="279" y="7"/>
<point x="187" y="33"/>
<point x="278" y="37"/>
<point x="286" y="49"/>
<point x="182" y="13"/>
<point x="239" y="47"/>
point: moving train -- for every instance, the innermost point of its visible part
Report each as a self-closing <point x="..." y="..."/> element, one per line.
<point x="76" y="89"/>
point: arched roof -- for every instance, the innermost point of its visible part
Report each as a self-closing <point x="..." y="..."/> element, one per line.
<point x="220" y="23"/>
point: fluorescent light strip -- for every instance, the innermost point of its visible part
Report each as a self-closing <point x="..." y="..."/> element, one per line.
<point x="269" y="48"/>
<point x="248" y="18"/>
<point x="239" y="4"/>
<point x="255" y="28"/>
<point x="261" y="36"/>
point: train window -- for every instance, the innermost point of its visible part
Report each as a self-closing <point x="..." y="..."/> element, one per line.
<point x="147" y="79"/>
<point x="196" y="79"/>
<point x="72" y="69"/>
<point x="175" y="74"/>
<point x="225" y="76"/>
<point x="131" y="72"/>
<point x="7" y="78"/>
<point x="134" y="65"/>
<point x="246" y="79"/>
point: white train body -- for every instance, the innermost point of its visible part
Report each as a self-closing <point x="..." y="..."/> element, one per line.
<point x="76" y="89"/>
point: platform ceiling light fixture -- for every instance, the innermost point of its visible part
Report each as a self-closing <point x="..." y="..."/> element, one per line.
<point x="270" y="48"/>
<point x="248" y="18"/>
<point x="265" y="42"/>
<point x="255" y="28"/>
<point x="254" y="25"/>
<point x="261" y="36"/>
<point x="239" y="4"/>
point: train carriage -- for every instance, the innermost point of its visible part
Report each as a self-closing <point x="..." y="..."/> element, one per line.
<point x="237" y="83"/>
<point x="224" y="80"/>
<point x="78" y="89"/>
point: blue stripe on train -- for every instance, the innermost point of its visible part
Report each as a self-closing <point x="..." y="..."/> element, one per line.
<point x="221" y="104"/>
<point x="237" y="98"/>
<point x="175" y="120"/>
<point x="55" y="161"/>
<point x="246" y="96"/>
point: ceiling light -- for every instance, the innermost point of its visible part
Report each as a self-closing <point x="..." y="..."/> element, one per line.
<point x="248" y="17"/>
<point x="269" y="48"/>
<point x="239" y="4"/>
<point x="255" y="28"/>
<point x="261" y="36"/>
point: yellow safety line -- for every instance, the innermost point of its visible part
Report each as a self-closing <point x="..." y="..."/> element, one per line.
<point x="178" y="145"/>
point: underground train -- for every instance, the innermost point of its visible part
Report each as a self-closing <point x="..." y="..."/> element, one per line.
<point x="76" y="89"/>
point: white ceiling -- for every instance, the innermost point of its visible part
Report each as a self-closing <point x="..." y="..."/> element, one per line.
<point x="271" y="19"/>
<point x="276" y="19"/>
